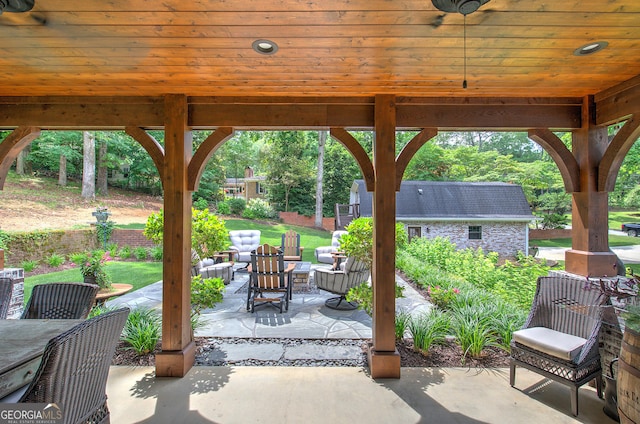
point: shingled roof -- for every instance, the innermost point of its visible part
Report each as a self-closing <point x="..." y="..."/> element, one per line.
<point x="434" y="200"/>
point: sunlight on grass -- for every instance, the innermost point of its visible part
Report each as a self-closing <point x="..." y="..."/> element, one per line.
<point x="138" y="274"/>
<point x="566" y="242"/>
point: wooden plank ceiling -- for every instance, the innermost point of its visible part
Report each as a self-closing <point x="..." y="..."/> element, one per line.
<point x="326" y="48"/>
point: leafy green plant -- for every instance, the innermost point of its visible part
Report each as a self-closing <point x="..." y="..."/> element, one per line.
<point x="201" y="203"/>
<point x="4" y="239"/>
<point x="124" y="252"/>
<point x="112" y="248"/>
<point x="428" y="329"/>
<point x="358" y="242"/>
<point x="156" y="253"/>
<point x="402" y="322"/>
<point x="142" y="330"/>
<point x="104" y="230"/>
<point x="236" y="205"/>
<point x="259" y="209"/>
<point x="205" y="293"/>
<point x="442" y="297"/>
<point x="28" y="266"/>
<point x="472" y="328"/>
<point x="93" y="266"/>
<point x="363" y="295"/>
<point x="77" y="258"/>
<point x="55" y="260"/>
<point x="140" y="253"/>
<point x="223" y="208"/>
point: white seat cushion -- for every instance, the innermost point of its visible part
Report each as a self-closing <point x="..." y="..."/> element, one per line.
<point x="554" y="343"/>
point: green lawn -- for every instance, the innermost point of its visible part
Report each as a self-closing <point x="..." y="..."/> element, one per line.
<point x="616" y="219"/>
<point x="310" y="238"/>
<point x="566" y="242"/>
<point x="138" y="274"/>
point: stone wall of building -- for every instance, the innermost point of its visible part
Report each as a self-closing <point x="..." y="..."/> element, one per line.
<point x="505" y="238"/>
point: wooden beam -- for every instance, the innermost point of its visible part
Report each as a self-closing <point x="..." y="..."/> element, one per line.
<point x="617" y="103"/>
<point x="564" y="159"/>
<point x="359" y="154"/>
<point x="11" y="147"/>
<point x="151" y="145"/>
<point x="178" y="353"/>
<point x="616" y="152"/>
<point x="204" y="152"/>
<point x="384" y="360"/>
<point x="410" y="150"/>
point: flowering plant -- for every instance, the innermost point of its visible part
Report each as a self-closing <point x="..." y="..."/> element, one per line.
<point x="441" y="297"/>
<point x="93" y="268"/>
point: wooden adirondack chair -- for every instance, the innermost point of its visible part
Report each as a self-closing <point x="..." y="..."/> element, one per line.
<point x="291" y="246"/>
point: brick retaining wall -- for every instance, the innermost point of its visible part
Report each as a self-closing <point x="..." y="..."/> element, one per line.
<point x="293" y="218"/>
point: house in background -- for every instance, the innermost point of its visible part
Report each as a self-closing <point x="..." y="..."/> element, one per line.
<point x="249" y="187"/>
<point x="493" y="216"/>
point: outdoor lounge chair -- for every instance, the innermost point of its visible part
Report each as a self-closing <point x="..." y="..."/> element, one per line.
<point x="560" y="337"/>
<point x="243" y="242"/>
<point x="210" y="268"/>
<point x="61" y="301"/>
<point x="354" y="273"/>
<point x="291" y="246"/>
<point x="269" y="281"/>
<point x="324" y="253"/>
<point x="6" y="290"/>
<point x="74" y="370"/>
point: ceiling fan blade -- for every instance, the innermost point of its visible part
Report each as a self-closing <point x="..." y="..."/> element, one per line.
<point x="16" y="6"/>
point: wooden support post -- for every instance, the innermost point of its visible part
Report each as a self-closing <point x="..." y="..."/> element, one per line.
<point x="590" y="254"/>
<point x="384" y="359"/>
<point x="178" y="348"/>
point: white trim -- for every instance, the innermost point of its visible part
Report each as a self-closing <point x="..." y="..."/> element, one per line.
<point x="466" y="219"/>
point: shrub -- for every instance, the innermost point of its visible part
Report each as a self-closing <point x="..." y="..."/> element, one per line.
<point x="358" y="242"/>
<point x="28" y="266"/>
<point x="236" y="205"/>
<point x="554" y="221"/>
<point x="258" y="209"/>
<point x="205" y="293"/>
<point x="201" y="204"/>
<point x="124" y="252"/>
<point x="156" y="253"/>
<point x="363" y="295"/>
<point x="112" y="248"/>
<point x="472" y="328"/>
<point x="441" y="297"/>
<point x="428" y="329"/>
<point x="223" y="208"/>
<point x="140" y="253"/>
<point x="55" y="260"/>
<point x="142" y="330"/>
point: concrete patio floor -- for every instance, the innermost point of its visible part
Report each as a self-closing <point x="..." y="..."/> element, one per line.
<point x="343" y="395"/>
<point x="243" y="394"/>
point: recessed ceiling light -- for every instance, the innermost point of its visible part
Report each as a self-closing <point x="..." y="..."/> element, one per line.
<point x="265" y="46"/>
<point x="590" y="48"/>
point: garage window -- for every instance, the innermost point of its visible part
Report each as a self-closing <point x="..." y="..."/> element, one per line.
<point x="475" y="232"/>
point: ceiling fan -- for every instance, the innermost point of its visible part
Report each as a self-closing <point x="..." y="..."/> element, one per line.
<point x="464" y="7"/>
<point x="16" y="6"/>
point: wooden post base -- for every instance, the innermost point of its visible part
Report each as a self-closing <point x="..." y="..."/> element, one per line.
<point x="176" y="363"/>
<point x="383" y="364"/>
<point x="592" y="264"/>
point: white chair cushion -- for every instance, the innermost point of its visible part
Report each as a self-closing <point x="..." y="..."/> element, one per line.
<point x="554" y="343"/>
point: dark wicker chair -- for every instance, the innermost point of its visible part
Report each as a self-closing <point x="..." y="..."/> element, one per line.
<point x="75" y="367"/>
<point x="560" y="337"/>
<point x="6" y="290"/>
<point x="61" y="301"/>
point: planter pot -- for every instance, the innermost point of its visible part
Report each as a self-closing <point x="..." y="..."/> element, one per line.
<point x="629" y="378"/>
<point x="90" y="279"/>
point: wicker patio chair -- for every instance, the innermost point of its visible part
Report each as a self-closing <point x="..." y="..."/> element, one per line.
<point x="75" y="367"/>
<point x="560" y="337"/>
<point x="61" y="301"/>
<point x="6" y="290"/>
<point x="270" y="281"/>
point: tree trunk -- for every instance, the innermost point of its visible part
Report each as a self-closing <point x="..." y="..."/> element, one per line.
<point x="322" y="138"/>
<point x="62" y="174"/>
<point x="88" y="165"/>
<point x="103" y="190"/>
<point x="20" y="160"/>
